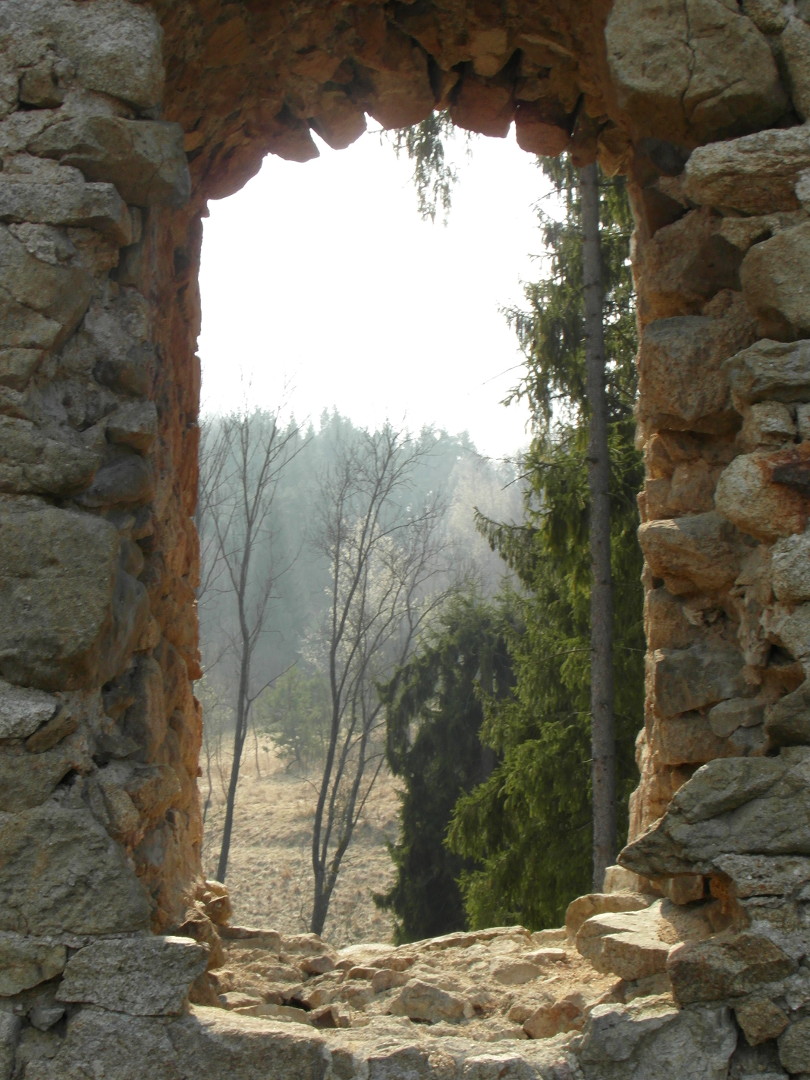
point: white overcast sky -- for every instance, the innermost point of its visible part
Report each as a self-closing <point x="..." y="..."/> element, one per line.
<point x="322" y="287"/>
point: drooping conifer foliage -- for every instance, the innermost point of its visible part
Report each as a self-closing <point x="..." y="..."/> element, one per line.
<point x="530" y="823"/>
<point x="434" y="711"/>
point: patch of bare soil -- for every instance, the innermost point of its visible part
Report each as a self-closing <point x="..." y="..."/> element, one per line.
<point x="269" y="872"/>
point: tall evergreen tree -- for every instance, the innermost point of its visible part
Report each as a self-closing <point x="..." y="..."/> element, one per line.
<point x="531" y="822"/>
<point x="434" y="710"/>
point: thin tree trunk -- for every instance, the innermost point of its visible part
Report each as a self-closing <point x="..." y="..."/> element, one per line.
<point x="603" y="744"/>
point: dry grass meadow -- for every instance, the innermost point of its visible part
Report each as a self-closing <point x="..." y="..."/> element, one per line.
<point x="269" y="872"/>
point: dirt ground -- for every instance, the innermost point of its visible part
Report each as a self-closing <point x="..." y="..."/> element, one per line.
<point x="269" y="873"/>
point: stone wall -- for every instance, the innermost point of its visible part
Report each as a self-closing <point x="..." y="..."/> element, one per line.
<point x="118" y="120"/>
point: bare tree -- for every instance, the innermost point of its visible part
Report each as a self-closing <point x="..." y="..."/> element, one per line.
<point x="242" y="458"/>
<point x="386" y="577"/>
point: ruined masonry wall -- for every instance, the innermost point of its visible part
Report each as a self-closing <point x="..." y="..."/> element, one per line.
<point x="118" y="120"/>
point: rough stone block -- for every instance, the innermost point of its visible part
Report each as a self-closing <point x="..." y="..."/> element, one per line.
<point x="142" y="976"/>
<point x="767" y="424"/>
<point x="790" y="568"/>
<point x="118" y="1046"/>
<point x="27" y="962"/>
<point x="145" y="159"/>
<point x="690" y="71"/>
<point x="59" y="294"/>
<point x="765" y="875"/>
<point x="67" y="614"/>
<point x="74" y="203"/>
<point x="770" y="371"/>
<point x="423" y="1001"/>
<point x="116" y="48"/>
<point x="61" y="873"/>
<point x="211" y="1044"/>
<point x="23" y="710"/>
<point x="28" y="779"/>
<point x="483" y="106"/>
<point x="681" y="378"/>
<point x="726" y="967"/>
<point x="687" y="679"/>
<point x="585" y="907"/>
<point x="787" y="721"/>
<point x="622" y="1041"/>
<point x="688" y="739"/>
<point x="790" y="627"/>
<point x="692" y="553"/>
<point x="795" y="46"/>
<point x="776" y="284"/>
<point x="749" y="495"/>
<point x="755" y="174"/>
<point x="794" y="1046"/>
<point x="44" y="460"/>
<point x="18" y="365"/>
<point x="9" y="1036"/>
<point x="684" y="265"/>
<point x="740" y="806"/>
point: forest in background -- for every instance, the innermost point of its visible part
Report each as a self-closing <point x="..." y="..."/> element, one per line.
<point x="483" y="697"/>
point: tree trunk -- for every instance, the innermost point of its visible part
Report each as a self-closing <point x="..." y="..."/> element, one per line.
<point x="603" y="747"/>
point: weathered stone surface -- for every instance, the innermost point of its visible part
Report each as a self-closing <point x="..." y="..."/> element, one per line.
<point x="687" y="70"/>
<point x="725" y="967"/>
<point x="790" y="627"/>
<point x="684" y="265"/>
<point x="144" y="159"/>
<point x="764" y="875"/>
<point x="9" y="1035"/>
<point x="755" y="174"/>
<point x="18" y="365"/>
<point x="628" y="947"/>
<point x="795" y="46"/>
<point x="212" y="1044"/>
<point x="694" y="553"/>
<point x="585" y="907"/>
<point x="43" y="459"/>
<point x="39" y="290"/>
<point x="115" y="47"/>
<point x="632" y="1041"/>
<point x="760" y="1019"/>
<point x="65" y="200"/>
<point x="28" y="779"/>
<point x="22" y="710"/>
<point x="730" y="806"/>
<point x="766" y="425"/>
<point x="635" y="944"/>
<point x="541" y="130"/>
<point x="749" y="496"/>
<point x="67" y="614"/>
<point x="27" y="962"/>
<point x="422" y="1001"/>
<point x="61" y="872"/>
<point x="776" y="286"/>
<point x="688" y="739"/>
<point x="790" y="568"/>
<point x="681" y="378"/>
<point x="727" y="716"/>
<point x="787" y="721"/>
<point x="794" y="1046"/>
<point x="770" y="371"/>
<point x="116" y="1045"/>
<point x="143" y="976"/>
<point x="484" y="107"/>
<point x="689" y="679"/>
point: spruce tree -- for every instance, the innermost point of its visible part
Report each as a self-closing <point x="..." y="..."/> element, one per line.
<point x="434" y="711"/>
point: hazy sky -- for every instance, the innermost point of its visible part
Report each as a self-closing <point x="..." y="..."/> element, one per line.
<point x="321" y="286"/>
